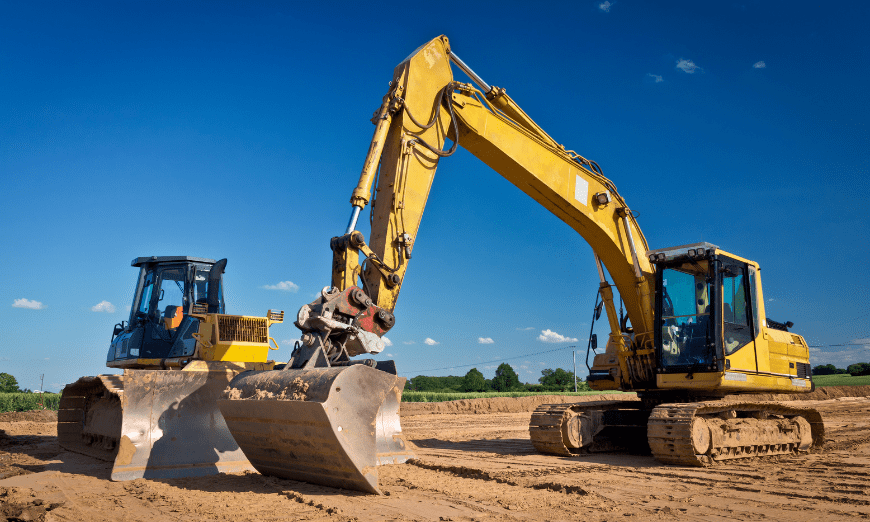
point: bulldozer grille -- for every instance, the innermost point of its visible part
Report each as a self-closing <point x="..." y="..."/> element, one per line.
<point x="243" y="329"/>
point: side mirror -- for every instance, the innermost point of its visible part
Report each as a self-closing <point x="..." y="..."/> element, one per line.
<point x="593" y="341"/>
<point x="118" y="329"/>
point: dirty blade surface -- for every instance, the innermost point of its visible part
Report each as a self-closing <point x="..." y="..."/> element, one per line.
<point x="343" y="423"/>
<point x="172" y="427"/>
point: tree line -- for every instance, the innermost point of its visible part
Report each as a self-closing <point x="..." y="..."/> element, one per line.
<point x="505" y="380"/>
<point x="853" y="369"/>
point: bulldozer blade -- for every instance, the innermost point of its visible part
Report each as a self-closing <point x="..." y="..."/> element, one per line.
<point x="151" y="423"/>
<point x="172" y="427"/>
<point x="329" y="426"/>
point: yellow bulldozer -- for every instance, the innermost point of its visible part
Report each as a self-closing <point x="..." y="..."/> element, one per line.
<point x="695" y="328"/>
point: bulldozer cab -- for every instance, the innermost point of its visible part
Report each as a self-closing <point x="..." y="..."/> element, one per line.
<point x="168" y="291"/>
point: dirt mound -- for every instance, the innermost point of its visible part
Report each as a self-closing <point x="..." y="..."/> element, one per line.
<point x="821" y="394"/>
<point x="503" y="404"/>
<point x="32" y="416"/>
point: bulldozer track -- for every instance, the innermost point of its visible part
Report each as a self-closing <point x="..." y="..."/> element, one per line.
<point x="76" y="400"/>
<point x="672" y="432"/>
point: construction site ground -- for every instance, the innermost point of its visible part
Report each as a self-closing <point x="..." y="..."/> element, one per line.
<point x="474" y="462"/>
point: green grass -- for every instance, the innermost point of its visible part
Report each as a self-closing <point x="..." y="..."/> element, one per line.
<point x="841" y="380"/>
<point x="28" y="401"/>
<point x="424" y="396"/>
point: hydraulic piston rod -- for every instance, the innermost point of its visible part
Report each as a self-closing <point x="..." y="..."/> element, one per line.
<point x="471" y="74"/>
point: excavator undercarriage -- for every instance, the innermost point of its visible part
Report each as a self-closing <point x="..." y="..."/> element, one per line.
<point x="683" y="434"/>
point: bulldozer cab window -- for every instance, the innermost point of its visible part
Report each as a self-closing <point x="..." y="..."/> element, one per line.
<point x="735" y="307"/>
<point x="171" y="288"/>
<point x="200" y="286"/>
<point x="147" y="289"/>
<point x="686" y="334"/>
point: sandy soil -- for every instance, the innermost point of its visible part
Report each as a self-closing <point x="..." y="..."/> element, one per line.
<point x="471" y="465"/>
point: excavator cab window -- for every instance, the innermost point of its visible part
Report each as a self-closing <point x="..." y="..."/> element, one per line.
<point x="735" y="307"/>
<point x="686" y="329"/>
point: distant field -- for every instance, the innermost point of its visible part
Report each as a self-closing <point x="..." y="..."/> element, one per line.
<point x="421" y="396"/>
<point x="841" y="380"/>
<point x="28" y="401"/>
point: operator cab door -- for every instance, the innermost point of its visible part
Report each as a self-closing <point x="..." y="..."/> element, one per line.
<point x="707" y="315"/>
<point x="739" y="326"/>
<point x="164" y="287"/>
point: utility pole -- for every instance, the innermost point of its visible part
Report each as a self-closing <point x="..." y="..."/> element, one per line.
<point x="574" y="357"/>
<point x="41" y="396"/>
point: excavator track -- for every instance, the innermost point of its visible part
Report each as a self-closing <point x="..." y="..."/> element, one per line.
<point x="701" y="433"/>
<point x="570" y="429"/>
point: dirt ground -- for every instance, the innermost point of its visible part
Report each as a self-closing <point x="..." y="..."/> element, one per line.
<point x="474" y="462"/>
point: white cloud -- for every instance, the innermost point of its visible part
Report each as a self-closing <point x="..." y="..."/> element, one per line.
<point x="605" y="6"/>
<point x="388" y="354"/>
<point x="687" y="66"/>
<point x="549" y="336"/>
<point x="526" y="329"/>
<point x="865" y="342"/>
<point x="289" y="342"/>
<point x="407" y="342"/>
<point x="387" y="342"/>
<point x="656" y="77"/>
<point x="485" y="340"/>
<point x="287" y="286"/>
<point x="759" y="64"/>
<point x="430" y="341"/>
<point x="103" y="306"/>
<point x="32" y="304"/>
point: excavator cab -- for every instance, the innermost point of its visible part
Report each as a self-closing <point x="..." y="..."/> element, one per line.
<point x="711" y="332"/>
<point x="170" y="289"/>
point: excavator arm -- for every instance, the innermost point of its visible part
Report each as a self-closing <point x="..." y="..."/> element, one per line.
<point x="425" y="107"/>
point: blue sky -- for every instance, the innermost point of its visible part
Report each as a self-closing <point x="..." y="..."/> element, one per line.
<point x="239" y="130"/>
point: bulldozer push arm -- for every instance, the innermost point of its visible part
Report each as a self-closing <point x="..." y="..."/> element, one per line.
<point x="423" y="107"/>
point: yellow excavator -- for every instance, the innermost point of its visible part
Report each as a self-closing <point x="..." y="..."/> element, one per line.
<point x="695" y="329"/>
